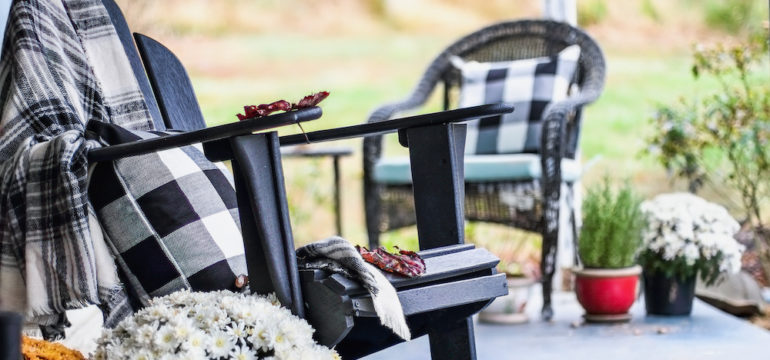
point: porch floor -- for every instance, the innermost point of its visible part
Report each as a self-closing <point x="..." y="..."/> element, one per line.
<point x="707" y="334"/>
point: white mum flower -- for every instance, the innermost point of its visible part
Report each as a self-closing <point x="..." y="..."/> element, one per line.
<point x="243" y="353"/>
<point x="196" y="340"/>
<point x="143" y="354"/>
<point x="691" y="253"/>
<point x="237" y="330"/>
<point x="221" y="344"/>
<point x="183" y="327"/>
<point x="685" y="227"/>
<point x="208" y="325"/>
<point x="166" y="339"/>
<point x="145" y="334"/>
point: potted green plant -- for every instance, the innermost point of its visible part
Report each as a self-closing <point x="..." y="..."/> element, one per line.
<point x="606" y="284"/>
<point x="685" y="237"/>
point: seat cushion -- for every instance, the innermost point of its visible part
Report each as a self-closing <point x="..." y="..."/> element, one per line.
<point x="530" y="84"/>
<point x="170" y="217"/>
<point x="479" y="168"/>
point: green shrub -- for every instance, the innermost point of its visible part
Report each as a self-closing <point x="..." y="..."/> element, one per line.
<point x="612" y="224"/>
<point x="724" y="137"/>
<point x="733" y="15"/>
<point x="649" y="10"/>
<point x="591" y="12"/>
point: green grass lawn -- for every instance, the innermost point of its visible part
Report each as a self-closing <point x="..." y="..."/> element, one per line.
<point x="363" y="72"/>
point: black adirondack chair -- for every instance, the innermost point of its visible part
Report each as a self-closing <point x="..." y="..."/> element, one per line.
<point x="461" y="279"/>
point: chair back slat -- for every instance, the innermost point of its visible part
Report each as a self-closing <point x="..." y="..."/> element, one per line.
<point x="124" y="34"/>
<point x="168" y="77"/>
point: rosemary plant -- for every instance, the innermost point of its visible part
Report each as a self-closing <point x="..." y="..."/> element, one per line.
<point x="612" y="225"/>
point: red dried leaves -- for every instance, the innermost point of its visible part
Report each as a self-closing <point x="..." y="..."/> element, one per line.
<point x="407" y="263"/>
<point x="311" y="100"/>
<point x="253" y="111"/>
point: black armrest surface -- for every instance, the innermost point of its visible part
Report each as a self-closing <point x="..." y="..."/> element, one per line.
<point x="389" y="126"/>
<point x="203" y="135"/>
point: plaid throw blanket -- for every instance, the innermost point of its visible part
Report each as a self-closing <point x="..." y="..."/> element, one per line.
<point x="62" y="66"/>
<point x="337" y="255"/>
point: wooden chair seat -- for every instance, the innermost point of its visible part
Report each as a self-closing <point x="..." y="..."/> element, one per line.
<point x="456" y="276"/>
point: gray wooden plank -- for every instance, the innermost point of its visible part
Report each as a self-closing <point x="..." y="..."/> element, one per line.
<point x="437" y="268"/>
<point x="439" y="296"/>
<point x="444" y="250"/>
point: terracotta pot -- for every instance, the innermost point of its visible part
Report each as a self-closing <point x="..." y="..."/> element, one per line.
<point x="607" y="293"/>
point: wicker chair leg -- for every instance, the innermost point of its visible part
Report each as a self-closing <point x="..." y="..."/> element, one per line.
<point x="548" y="267"/>
<point x="573" y="227"/>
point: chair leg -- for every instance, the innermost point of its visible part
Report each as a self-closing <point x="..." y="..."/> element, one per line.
<point x="573" y="226"/>
<point x="547" y="268"/>
<point x="453" y="342"/>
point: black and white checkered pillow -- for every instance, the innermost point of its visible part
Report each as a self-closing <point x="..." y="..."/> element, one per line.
<point x="170" y="217"/>
<point x="530" y="84"/>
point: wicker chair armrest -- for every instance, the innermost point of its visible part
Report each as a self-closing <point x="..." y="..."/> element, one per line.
<point x="554" y="134"/>
<point x="373" y="144"/>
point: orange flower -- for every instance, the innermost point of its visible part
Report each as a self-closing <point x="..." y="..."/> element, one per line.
<point x="35" y="349"/>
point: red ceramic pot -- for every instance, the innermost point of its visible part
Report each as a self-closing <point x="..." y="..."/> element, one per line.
<point x="607" y="292"/>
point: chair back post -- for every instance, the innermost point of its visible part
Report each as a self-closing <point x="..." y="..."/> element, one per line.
<point x="436" y="156"/>
<point x="10" y="335"/>
<point x="264" y="215"/>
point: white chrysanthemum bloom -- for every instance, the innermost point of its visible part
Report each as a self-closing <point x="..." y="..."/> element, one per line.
<point x="142" y="354"/>
<point x="183" y="327"/>
<point x="211" y="325"/>
<point x="280" y="339"/>
<point x="145" y="334"/>
<point x="261" y="338"/>
<point x="298" y="332"/>
<point x="236" y="330"/>
<point x="168" y="356"/>
<point x="166" y="339"/>
<point x="243" y="353"/>
<point x="684" y="227"/>
<point x="196" y="340"/>
<point x="273" y="299"/>
<point x="221" y="344"/>
<point x="691" y="253"/>
<point x="193" y="354"/>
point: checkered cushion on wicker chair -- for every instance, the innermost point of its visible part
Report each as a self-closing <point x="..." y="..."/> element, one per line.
<point x="530" y="84"/>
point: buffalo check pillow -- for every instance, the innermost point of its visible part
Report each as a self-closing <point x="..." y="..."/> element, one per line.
<point x="170" y="217"/>
<point x="530" y="84"/>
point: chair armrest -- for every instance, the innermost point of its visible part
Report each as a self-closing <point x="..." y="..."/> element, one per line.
<point x="203" y="135"/>
<point x="389" y="126"/>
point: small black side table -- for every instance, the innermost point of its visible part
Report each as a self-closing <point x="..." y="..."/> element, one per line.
<point x="335" y="153"/>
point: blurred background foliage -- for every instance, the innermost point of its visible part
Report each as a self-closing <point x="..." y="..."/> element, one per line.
<point x="368" y="52"/>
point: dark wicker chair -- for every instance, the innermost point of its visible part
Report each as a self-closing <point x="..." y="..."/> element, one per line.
<point x="390" y="206"/>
